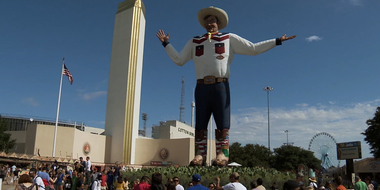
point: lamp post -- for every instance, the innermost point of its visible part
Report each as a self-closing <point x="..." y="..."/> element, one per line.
<point x="287" y="139"/>
<point x="268" y="89"/>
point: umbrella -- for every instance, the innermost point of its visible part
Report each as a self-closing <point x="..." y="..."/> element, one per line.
<point x="234" y="164"/>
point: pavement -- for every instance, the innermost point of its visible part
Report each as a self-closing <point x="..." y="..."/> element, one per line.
<point x="8" y="187"/>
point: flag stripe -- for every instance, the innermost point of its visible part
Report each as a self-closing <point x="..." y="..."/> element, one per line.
<point x="67" y="73"/>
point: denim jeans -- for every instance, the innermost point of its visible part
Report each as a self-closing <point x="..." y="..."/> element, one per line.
<point x="212" y="99"/>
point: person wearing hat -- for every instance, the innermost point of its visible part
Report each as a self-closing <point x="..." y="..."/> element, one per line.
<point x="197" y="183"/>
<point x="299" y="178"/>
<point x="291" y="185"/>
<point x="233" y="185"/>
<point x="313" y="182"/>
<point x="212" y="54"/>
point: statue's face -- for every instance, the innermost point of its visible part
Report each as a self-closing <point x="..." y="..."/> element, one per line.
<point x="211" y="24"/>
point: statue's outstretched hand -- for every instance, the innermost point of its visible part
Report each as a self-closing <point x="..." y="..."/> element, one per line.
<point x="161" y="36"/>
<point x="284" y="38"/>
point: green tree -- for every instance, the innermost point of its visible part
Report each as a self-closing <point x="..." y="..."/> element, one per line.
<point x="250" y="155"/>
<point x="6" y="143"/>
<point x="372" y="134"/>
<point x="288" y="157"/>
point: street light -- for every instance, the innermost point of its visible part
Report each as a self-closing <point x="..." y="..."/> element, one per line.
<point x="268" y="89"/>
<point x="287" y="139"/>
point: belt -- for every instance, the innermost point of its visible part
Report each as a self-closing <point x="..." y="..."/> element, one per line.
<point x="211" y="80"/>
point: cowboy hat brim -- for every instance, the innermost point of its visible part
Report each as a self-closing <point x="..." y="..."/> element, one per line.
<point x="313" y="180"/>
<point x="219" y="13"/>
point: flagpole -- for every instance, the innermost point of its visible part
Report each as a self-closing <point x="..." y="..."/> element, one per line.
<point x="59" y="102"/>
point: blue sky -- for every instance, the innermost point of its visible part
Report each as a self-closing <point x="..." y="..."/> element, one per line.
<point x="325" y="80"/>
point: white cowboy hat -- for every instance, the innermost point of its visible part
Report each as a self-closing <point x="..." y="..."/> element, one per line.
<point x="219" y="13"/>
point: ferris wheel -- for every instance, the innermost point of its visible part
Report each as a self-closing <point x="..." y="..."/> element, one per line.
<point x="324" y="147"/>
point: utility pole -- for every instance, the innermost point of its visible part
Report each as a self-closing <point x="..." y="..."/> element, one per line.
<point x="144" y="117"/>
<point x="268" y="89"/>
<point x="182" y="107"/>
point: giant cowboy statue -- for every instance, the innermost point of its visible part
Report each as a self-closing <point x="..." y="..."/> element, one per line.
<point x="212" y="54"/>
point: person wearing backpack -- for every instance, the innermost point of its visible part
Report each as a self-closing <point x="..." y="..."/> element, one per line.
<point x="25" y="183"/>
<point x="96" y="184"/>
<point x="36" y="179"/>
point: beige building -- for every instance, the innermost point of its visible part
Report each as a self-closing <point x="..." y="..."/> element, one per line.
<point x="172" y="142"/>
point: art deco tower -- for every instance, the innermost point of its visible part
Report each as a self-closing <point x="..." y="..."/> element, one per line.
<point x="124" y="85"/>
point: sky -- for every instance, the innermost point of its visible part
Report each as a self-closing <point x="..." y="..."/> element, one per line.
<point x="324" y="80"/>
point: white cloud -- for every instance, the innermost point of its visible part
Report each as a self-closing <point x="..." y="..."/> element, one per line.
<point x="345" y="123"/>
<point x="302" y="105"/>
<point x="30" y="101"/>
<point x="332" y="102"/>
<point x="93" y="95"/>
<point x="313" y="38"/>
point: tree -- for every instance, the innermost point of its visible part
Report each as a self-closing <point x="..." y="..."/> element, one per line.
<point x="372" y="134"/>
<point x="288" y="157"/>
<point x="6" y="143"/>
<point x="250" y="155"/>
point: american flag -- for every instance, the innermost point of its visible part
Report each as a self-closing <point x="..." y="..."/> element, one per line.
<point x="67" y="73"/>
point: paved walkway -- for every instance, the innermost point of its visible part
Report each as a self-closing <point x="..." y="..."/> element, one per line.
<point x="7" y="187"/>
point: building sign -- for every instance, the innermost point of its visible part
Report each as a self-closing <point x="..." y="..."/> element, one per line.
<point x="182" y="130"/>
<point x="349" y="150"/>
<point x="160" y="163"/>
<point x="86" y="148"/>
<point x="164" y="153"/>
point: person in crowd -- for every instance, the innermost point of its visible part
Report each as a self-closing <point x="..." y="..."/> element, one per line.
<point x="253" y="185"/>
<point x="52" y="180"/>
<point x="96" y="184"/>
<point x="60" y="179"/>
<point x="110" y="179"/>
<point x="313" y="183"/>
<point x="191" y="184"/>
<point x="74" y="180"/>
<point x="339" y="183"/>
<point x="260" y="182"/>
<point x="45" y="177"/>
<point x="291" y="185"/>
<point x="300" y="178"/>
<point x="68" y="182"/>
<point x="36" y="179"/>
<point x="178" y="186"/>
<point x="157" y="182"/>
<point x="119" y="183"/>
<point x="274" y="186"/>
<point x="103" y="183"/>
<point x="359" y="184"/>
<point x="80" y="183"/>
<point x="233" y="185"/>
<point x="88" y="171"/>
<point x="196" y="180"/>
<point x="15" y="176"/>
<point x="328" y="186"/>
<point x="370" y="186"/>
<point x="126" y="183"/>
<point x="211" y="186"/>
<point x="144" y="184"/>
<point x="25" y="183"/>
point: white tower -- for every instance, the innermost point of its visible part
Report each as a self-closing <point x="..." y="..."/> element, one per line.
<point x="124" y="86"/>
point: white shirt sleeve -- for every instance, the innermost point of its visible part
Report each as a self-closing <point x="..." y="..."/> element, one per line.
<point x="88" y="165"/>
<point x="179" y="187"/>
<point x="242" y="46"/>
<point x="39" y="182"/>
<point x="229" y="186"/>
<point x="180" y="58"/>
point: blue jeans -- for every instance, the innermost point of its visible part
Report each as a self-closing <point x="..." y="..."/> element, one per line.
<point x="212" y="99"/>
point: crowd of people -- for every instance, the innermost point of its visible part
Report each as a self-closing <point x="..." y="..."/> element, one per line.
<point x="84" y="177"/>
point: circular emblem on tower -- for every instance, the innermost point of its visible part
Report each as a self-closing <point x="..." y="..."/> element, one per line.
<point x="86" y="148"/>
<point x="164" y="153"/>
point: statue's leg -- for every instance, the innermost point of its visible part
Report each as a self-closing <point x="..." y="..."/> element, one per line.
<point x="202" y="115"/>
<point x="221" y="111"/>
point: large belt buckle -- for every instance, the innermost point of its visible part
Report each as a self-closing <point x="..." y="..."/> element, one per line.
<point x="209" y="80"/>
